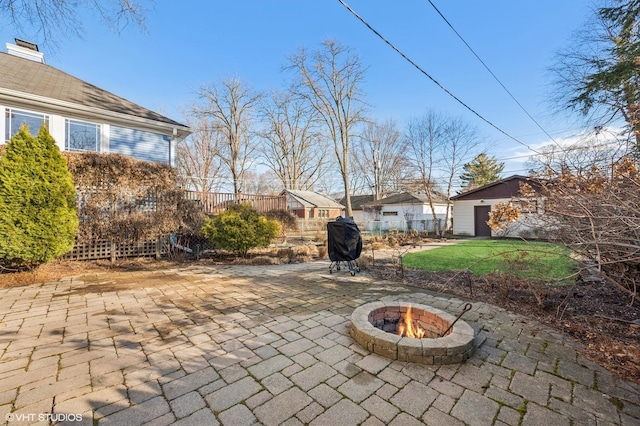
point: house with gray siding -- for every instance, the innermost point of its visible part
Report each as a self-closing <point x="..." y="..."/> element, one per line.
<point x="79" y="115"/>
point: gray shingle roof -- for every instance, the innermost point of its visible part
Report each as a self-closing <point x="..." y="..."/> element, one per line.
<point x="26" y="76"/>
<point x="410" y="198"/>
<point x="357" y="201"/>
<point x="313" y="199"/>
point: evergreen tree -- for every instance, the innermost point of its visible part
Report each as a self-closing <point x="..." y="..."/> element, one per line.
<point x="598" y="75"/>
<point x="482" y="170"/>
<point x="38" y="219"/>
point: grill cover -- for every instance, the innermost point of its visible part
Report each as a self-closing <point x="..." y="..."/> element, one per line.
<point x="344" y="241"/>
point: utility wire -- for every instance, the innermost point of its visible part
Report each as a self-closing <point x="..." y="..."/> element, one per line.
<point x="477" y="114"/>
<point x="492" y="74"/>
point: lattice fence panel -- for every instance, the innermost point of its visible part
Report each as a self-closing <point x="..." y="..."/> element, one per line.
<point x="107" y="250"/>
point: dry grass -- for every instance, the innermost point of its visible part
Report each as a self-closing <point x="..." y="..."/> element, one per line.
<point x="261" y="260"/>
<point x="58" y="269"/>
<point x="55" y="270"/>
<point x="51" y="271"/>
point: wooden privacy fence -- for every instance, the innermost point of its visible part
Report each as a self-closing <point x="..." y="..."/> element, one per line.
<point x="210" y="203"/>
<point x="216" y="202"/>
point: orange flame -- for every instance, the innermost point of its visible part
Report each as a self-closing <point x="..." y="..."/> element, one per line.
<point x="409" y="328"/>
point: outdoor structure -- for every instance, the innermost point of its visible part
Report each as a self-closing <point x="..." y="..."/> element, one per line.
<point x="80" y="116"/>
<point x="471" y="209"/>
<point x="312" y="205"/>
<point x="404" y="212"/>
<point x="412" y="332"/>
<point x="357" y="206"/>
<point x="213" y="203"/>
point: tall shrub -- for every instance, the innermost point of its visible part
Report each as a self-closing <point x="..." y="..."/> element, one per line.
<point x="125" y="200"/>
<point x="240" y="228"/>
<point x="38" y="220"/>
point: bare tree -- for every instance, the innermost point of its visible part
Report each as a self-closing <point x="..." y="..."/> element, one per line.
<point x="231" y="105"/>
<point x="49" y="18"/>
<point x="437" y="148"/>
<point x="330" y="80"/>
<point x="292" y="146"/>
<point x="600" y="150"/>
<point x="378" y="157"/>
<point x="594" y="212"/>
<point x="199" y="162"/>
<point x="424" y="144"/>
<point x="266" y="183"/>
<point x="461" y="142"/>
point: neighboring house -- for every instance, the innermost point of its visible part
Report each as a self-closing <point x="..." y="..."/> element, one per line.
<point x="471" y="209"/>
<point x="312" y="205"/>
<point x="357" y="206"/>
<point x="79" y="115"/>
<point x="405" y="211"/>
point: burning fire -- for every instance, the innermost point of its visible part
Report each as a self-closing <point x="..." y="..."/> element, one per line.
<point x="409" y="328"/>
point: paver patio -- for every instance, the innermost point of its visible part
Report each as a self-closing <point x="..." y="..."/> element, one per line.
<point x="243" y="345"/>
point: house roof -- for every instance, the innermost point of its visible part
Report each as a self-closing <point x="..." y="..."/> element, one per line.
<point x="409" y="198"/>
<point x="357" y="201"/>
<point x="503" y="188"/>
<point x="313" y="199"/>
<point x="36" y="83"/>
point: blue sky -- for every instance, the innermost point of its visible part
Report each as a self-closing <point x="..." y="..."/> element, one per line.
<point x="190" y="44"/>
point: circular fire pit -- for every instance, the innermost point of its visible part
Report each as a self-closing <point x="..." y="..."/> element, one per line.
<point x="375" y="326"/>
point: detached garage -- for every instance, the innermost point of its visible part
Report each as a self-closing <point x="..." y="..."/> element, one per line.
<point x="471" y="209"/>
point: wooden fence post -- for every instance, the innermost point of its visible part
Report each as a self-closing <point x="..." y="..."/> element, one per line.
<point x="113" y="251"/>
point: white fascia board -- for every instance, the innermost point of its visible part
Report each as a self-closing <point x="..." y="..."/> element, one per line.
<point x="74" y="110"/>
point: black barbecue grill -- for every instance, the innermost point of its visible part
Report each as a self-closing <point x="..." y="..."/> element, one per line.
<point x="345" y="244"/>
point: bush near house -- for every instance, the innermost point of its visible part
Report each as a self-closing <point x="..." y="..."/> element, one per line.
<point x="38" y="220"/>
<point x="239" y="229"/>
<point x="124" y="200"/>
<point x="286" y="219"/>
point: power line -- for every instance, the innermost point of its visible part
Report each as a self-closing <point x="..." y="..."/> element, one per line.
<point x="492" y="73"/>
<point x="477" y="114"/>
<point x="565" y="150"/>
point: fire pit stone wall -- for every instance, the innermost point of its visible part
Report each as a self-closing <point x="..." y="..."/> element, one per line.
<point x="456" y="347"/>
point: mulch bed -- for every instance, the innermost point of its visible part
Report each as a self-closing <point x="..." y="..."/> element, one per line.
<point x="595" y="314"/>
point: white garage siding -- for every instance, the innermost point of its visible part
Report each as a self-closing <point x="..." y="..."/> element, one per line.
<point x="464" y="221"/>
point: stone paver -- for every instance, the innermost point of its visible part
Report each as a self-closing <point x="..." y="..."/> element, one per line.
<point x="236" y="345"/>
<point x="287" y="404"/>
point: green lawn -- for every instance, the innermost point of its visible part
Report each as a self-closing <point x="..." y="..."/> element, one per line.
<point x="526" y="259"/>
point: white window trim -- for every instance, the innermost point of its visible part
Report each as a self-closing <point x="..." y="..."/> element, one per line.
<point x="28" y="111"/>
<point x="64" y="138"/>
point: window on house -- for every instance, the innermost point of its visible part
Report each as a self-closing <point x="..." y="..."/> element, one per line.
<point x="81" y="136"/>
<point x="389" y="213"/>
<point x="14" y="119"/>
